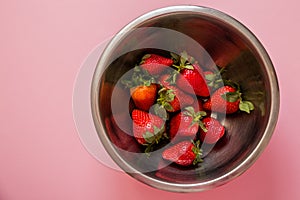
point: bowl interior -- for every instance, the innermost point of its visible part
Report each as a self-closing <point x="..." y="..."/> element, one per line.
<point x="212" y="42"/>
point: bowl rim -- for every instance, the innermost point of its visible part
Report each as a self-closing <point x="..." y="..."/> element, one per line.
<point x="248" y="161"/>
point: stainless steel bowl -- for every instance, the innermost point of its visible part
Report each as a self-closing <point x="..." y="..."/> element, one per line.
<point x="214" y="38"/>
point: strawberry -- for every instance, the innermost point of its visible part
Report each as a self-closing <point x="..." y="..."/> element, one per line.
<point x="192" y="73"/>
<point x="144" y="96"/>
<point x="195" y="78"/>
<point x="184" y="153"/>
<point x="143" y="90"/>
<point x="227" y="100"/>
<point x="214" y="130"/>
<point x="148" y="129"/>
<point x="170" y="96"/>
<point x="186" y="123"/>
<point x="155" y="64"/>
<point x="173" y="99"/>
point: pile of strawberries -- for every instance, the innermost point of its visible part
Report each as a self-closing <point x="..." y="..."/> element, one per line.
<point x="173" y="99"/>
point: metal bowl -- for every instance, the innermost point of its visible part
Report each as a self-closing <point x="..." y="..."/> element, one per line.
<point x="214" y="38"/>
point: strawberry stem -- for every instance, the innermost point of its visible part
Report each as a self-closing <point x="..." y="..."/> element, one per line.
<point x="165" y="97"/>
<point x="197" y="116"/>
<point x="184" y="61"/>
<point x="172" y="78"/>
<point x="154" y="138"/>
<point x="244" y="105"/>
<point x="144" y="58"/>
<point x="214" y="79"/>
<point x="160" y="111"/>
<point x="197" y="151"/>
<point x="139" y="77"/>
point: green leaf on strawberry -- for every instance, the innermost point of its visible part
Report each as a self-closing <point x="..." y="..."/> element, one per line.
<point x="246" y="106"/>
<point x="139" y="77"/>
<point x="172" y="78"/>
<point x="197" y="151"/>
<point x="189" y="67"/>
<point x="165" y="97"/>
<point x="149" y="137"/>
<point x="173" y="99"/>
<point x="183" y="57"/>
<point x="190" y="111"/>
<point x="154" y="138"/>
<point x="168" y="106"/>
<point x="228" y="99"/>
<point x="160" y="111"/>
<point x="175" y="57"/>
<point x="169" y="94"/>
<point x="214" y="79"/>
<point x="231" y="96"/>
<point x="145" y="57"/>
<point x="210" y="77"/>
<point x="197" y="116"/>
<point x="147" y="128"/>
<point x="185" y="61"/>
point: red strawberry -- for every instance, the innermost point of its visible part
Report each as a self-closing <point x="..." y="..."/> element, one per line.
<point x="144" y="96"/>
<point x="195" y="78"/>
<point x="228" y="100"/>
<point x="183" y="153"/>
<point x="173" y="99"/>
<point x="147" y="128"/>
<point x="215" y="130"/>
<point x="155" y="64"/>
<point x="193" y="74"/>
<point x="186" y="123"/>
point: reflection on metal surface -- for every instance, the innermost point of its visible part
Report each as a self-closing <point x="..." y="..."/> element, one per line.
<point x="212" y="38"/>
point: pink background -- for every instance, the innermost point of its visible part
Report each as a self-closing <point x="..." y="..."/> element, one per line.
<point x="42" y="46"/>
